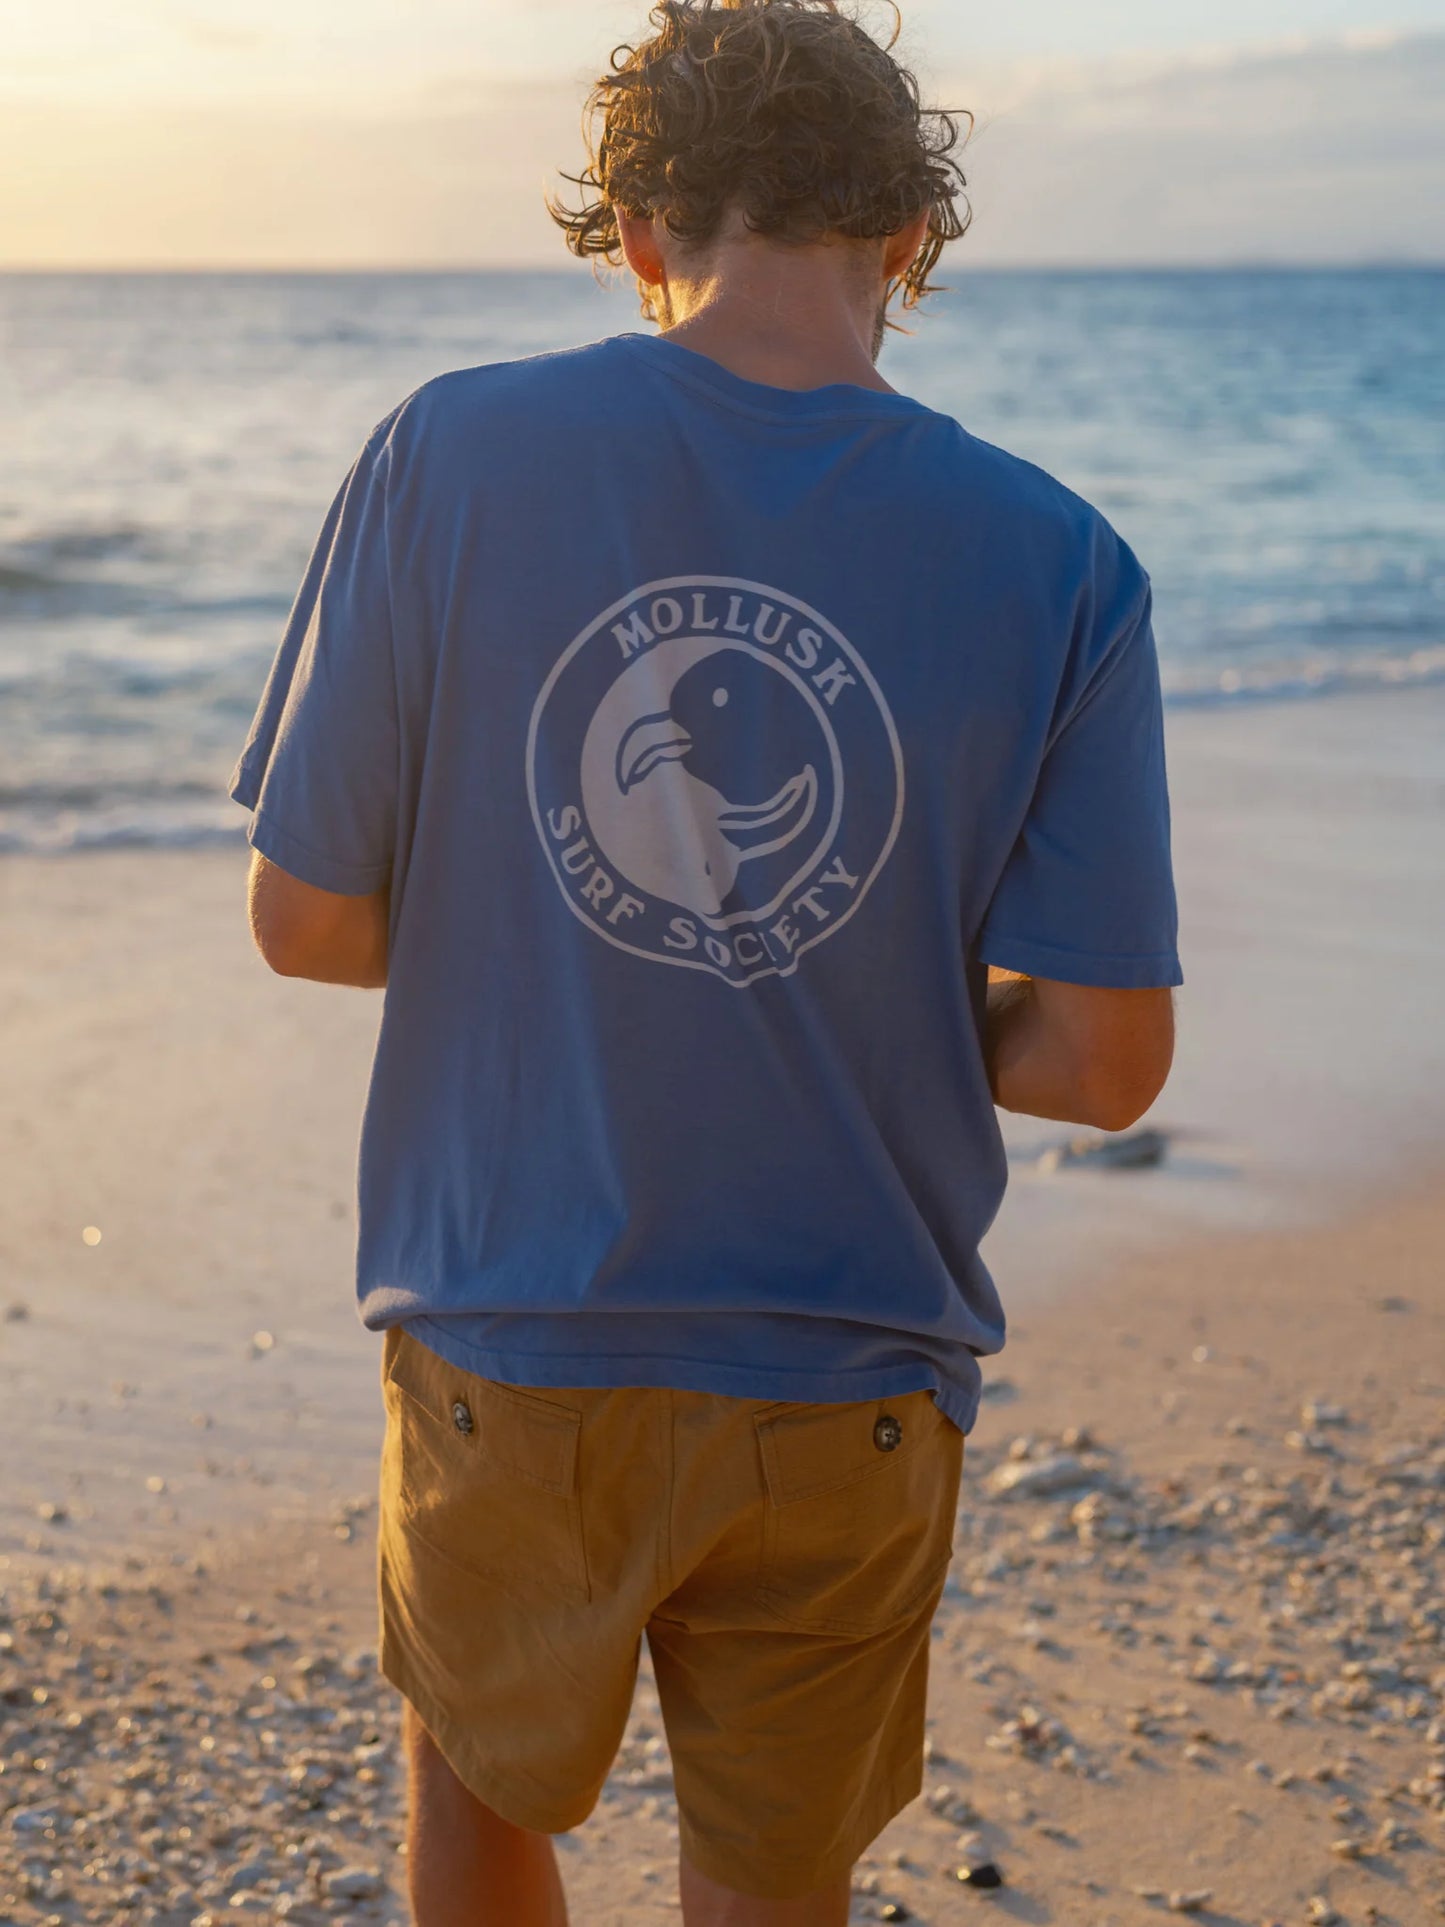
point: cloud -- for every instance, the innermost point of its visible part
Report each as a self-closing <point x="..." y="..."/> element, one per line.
<point x="1330" y="151"/>
<point x="1326" y="151"/>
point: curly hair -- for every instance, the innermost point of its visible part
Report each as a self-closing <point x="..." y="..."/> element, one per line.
<point x="787" y="111"/>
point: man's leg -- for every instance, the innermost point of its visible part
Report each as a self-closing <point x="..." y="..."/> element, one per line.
<point x="466" y="1866"/>
<point x="792" y="1658"/>
<point x="706" y="1904"/>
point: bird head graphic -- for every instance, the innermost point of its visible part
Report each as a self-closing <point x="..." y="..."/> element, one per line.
<point x="701" y="758"/>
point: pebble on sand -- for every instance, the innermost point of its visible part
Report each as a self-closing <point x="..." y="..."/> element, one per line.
<point x="34" y="1819"/>
<point x="984" y="1875"/>
<point x="1316" y="1412"/>
<point x="353" y="1883"/>
<point x="1038" y="1478"/>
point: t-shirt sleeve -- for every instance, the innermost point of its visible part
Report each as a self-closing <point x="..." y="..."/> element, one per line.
<point x="319" y="770"/>
<point x="1087" y="893"/>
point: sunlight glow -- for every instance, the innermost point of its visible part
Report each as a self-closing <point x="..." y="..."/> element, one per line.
<point x="423" y="131"/>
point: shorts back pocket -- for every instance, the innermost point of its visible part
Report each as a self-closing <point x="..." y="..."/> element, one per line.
<point x="485" y="1474"/>
<point x="859" y="1511"/>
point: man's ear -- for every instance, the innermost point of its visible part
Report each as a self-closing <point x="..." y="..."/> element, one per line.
<point x="902" y="246"/>
<point x="638" y="236"/>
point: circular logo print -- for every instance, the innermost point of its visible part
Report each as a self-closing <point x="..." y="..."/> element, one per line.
<point x="714" y="776"/>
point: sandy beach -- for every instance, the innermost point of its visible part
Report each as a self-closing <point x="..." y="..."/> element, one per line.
<point x="1190" y="1659"/>
<point x="1192" y="1656"/>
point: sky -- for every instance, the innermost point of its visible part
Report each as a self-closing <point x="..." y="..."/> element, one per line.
<point x="336" y="133"/>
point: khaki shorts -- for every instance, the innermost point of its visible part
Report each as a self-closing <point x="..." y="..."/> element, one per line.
<point x="784" y="1560"/>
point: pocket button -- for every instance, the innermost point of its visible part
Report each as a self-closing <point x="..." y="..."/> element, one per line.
<point x="462" y="1417"/>
<point x="887" y="1433"/>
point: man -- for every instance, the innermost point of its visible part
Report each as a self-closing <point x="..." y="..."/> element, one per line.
<point x="679" y="729"/>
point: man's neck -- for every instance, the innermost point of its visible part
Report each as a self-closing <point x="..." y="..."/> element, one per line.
<point x="788" y="317"/>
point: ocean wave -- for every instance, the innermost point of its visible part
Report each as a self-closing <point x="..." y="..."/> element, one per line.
<point x="83" y="837"/>
<point x="63" y="796"/>
<point x="1275" y="683"/>
<point x="41" y="561"/>
<point x="76" y="543"/>
<point x="56" y="817"/>
<point x="18" y="581"/>
<point x="166" y="575"/>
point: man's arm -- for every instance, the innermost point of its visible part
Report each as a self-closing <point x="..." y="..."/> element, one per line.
<point x="305" y="932"/>
<point x="1076" y="1054"/>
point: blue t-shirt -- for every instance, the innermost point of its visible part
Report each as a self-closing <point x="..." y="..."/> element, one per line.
<point x="713" y="738"/>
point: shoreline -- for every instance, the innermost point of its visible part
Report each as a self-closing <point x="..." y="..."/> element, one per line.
<point x="1233" y="692"/>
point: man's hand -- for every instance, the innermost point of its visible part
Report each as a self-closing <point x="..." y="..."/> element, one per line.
<point x="1076" y="1054"/>
<point x="305" y="932"/>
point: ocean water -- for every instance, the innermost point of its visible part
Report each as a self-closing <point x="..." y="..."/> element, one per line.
<point x="1272" y="444"/>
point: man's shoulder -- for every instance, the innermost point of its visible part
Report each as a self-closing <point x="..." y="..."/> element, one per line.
<point x="1022" y="488"/>
<point x="1018" y="509"/>
<point x="497" y="389"/>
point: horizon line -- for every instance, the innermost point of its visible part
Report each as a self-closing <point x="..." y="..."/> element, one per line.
<point x="1224" y="264"/>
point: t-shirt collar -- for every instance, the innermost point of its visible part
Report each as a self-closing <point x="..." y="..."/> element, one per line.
<point x="832" y="399"/>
